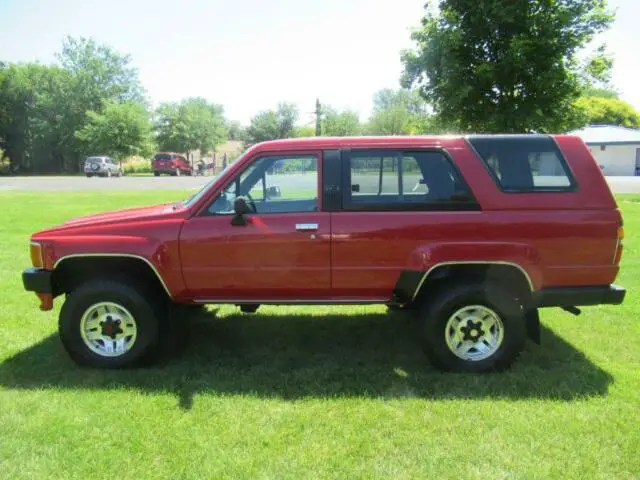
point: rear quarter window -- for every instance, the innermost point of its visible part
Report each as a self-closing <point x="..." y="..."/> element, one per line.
<point x="524" y="163"/>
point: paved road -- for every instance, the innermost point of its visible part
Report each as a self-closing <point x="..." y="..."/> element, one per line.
<point x="56" y="184"/>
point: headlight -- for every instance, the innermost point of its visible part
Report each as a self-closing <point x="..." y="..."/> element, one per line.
<point x="36" y="255"/>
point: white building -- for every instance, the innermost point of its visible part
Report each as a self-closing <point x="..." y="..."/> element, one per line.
<point x="616" y="149"/>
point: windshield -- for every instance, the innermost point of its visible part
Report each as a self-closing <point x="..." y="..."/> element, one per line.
<point x="210" y="184"/>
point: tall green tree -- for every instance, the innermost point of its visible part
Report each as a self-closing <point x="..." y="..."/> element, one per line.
<point x="193" y="124"/>
<point x="273" y="124"/>
<point x="340" y="124"/>
<point x="401" y="112"/>
<point x="503" y="65"/>
<point x="120" y="130"/>
<point x="608" y="111"/>
<point x="235" y="131"/>
<point x="42" y="107"/>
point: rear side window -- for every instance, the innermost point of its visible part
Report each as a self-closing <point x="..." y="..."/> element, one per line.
<point x="524" y="163"/>
<point x="404" y="180"/>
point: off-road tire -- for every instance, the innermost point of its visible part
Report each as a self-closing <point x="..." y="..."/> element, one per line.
<point x="147" y="314"/>
<point x="440" y="305"/>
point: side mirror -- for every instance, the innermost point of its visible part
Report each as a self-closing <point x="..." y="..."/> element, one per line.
<point x="240" y="208"/>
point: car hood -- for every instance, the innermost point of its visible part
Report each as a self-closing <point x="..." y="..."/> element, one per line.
<point x="155" y="212"/>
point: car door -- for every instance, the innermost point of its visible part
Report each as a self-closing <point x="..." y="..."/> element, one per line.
<point x="281" y="252"/>
<point x="395" y="201"/>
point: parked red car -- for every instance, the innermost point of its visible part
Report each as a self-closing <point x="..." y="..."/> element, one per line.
<point x="170" y="163"/>
<point x="472" y="234"/>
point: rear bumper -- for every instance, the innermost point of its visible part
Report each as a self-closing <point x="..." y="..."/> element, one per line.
<point x="37" y="280"/>
<point x="579" y="296"/>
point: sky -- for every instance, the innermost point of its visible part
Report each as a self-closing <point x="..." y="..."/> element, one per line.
<point x="248" y="55"/>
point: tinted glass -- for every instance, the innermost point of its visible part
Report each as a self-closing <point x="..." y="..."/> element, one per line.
<point x="524" y="163"/>
<point x="273" y="185"/>
<point x="385" y="177"/>
<point x="162" y="156"/>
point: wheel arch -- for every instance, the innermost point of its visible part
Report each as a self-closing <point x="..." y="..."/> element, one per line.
<point x="412" y="286"/>
<point x="70" y="270"/>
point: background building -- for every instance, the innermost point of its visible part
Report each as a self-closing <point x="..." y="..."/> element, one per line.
<point x="616" y="149"/>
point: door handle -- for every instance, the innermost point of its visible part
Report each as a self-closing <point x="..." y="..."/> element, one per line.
<point x="306" y="227"/>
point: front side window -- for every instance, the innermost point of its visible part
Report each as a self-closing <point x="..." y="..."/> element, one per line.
<point x="273" y="184"/>
<point x="392" y="179"/>
<point x="524" y="163"/>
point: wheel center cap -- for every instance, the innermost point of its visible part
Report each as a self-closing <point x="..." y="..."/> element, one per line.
<point x="472" y="331"/>
<point x="111" y="327"/>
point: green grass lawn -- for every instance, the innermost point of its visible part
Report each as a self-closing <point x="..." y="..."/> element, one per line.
<point x="322" y="392"/>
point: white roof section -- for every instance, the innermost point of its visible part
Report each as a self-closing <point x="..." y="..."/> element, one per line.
<point x="608" y="135"/>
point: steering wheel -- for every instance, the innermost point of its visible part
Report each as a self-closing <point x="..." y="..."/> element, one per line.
<point x="252" y="204"/>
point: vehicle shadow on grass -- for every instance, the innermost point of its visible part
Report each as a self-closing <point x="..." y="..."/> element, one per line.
<point x="301" y="356"/>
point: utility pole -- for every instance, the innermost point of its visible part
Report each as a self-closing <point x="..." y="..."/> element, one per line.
<point x="318" y="113"/>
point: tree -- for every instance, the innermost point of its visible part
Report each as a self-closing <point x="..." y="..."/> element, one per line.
<point x="300" y="132"/>
<point x="400" y="112"/>
<point x="100" y="72"/>
<point x="235" y="131"/>
<point x="272" y="124"/>
<point x="120" y="130"/>
<point x="42" y="107"/>
<point x="193" y="124"/>
<point x="608" y="111"/>
<point x="340" y="124"/>
<point x="599" y="92"/>
<point x="503" y="65"/>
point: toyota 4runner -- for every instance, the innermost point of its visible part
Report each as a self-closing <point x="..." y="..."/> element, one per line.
<point x="472" y="234"/>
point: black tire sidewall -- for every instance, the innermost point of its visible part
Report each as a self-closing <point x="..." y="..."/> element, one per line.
<point x="82" y="298"/>
<point x="448" y="301"/>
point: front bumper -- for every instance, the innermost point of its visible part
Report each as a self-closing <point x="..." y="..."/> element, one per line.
<point x="39" y="281"/>
<point x="579" y="296"/>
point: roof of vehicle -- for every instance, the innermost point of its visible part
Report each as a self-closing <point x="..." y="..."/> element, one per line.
<point x="373" y="141"/>
<point x="347" y="141"/>
<point x="169" y="153"/>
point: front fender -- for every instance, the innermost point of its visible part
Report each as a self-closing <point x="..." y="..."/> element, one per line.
<point x="162" y="257"/>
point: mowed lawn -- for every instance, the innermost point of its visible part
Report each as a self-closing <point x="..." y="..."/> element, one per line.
<point x="322" y="392"/>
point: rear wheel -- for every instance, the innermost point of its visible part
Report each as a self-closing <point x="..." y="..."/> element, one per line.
<point x="156" y="174"/>
<point x="473" y="327"/>
<point x="109" y="324"/>
<point x="89" y="175"/>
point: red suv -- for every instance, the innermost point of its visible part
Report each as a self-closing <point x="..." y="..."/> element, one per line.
<point x="170" y="163"/>
<point x="471" y="234"/>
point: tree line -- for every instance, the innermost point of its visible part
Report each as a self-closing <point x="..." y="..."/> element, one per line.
<point x="502" y="66"/>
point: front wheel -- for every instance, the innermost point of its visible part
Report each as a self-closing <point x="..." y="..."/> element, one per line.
<point x="109" y="324"/>
<point x="156" y="174"/>
<point x="473" y="327"/>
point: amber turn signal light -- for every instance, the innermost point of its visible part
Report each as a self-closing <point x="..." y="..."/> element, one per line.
<point x="36" y="255"/>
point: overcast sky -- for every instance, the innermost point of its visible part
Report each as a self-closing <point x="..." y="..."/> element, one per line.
<point x="250" y="54"/>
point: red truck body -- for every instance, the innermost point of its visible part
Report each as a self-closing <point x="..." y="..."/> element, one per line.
<point x="206" y="258"/>
<point x="566" y="244"/>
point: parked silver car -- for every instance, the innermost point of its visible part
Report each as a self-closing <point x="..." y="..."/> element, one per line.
<point x="102" y="167"/>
